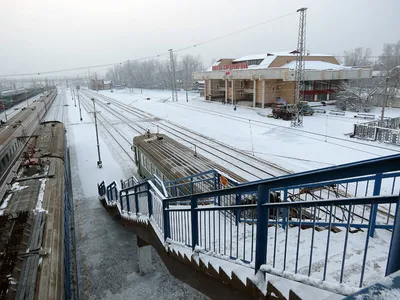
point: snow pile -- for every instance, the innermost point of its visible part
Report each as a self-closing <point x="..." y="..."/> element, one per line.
<point x="39" y="203"/>
<point x="17" y="187"/>
<point x="4" y="204"/>
<point x="332" y="287"/>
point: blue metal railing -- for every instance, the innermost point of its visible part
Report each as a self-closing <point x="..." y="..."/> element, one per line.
<point x="198" y="183"/>
<point x="281" y="219"/>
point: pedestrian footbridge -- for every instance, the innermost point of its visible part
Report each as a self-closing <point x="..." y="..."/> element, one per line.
<point x="330" y="233"/>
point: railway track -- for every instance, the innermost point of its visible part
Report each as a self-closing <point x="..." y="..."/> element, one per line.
<point x="193" y="137"/>
<point x="311" y="135"/>
<point x="255" y="168"/>
<point x="86" y="104"/>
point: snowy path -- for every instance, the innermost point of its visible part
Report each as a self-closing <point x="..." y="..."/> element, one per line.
<point x="106" y="252"/>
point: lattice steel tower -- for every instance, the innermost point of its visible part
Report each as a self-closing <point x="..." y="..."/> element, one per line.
<point x="297" y="121"/>
<point x="173" y="77"/>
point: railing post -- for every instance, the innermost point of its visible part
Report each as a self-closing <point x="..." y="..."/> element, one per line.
<point x="128" y="204"/>
<point x="116" y="192"/>
<point x="108" y="194"/>
<point x="238" y="211"/>
<point x="165" y="206"/>
<point x="191" y="185"/>
<point x="149" y="200"/>
<point x="122" y="204"/>
<point x="194" y="220"/>
<point x="284" y="210"/>
<point x="262" y="227"/>
<point x="122" y="184"/>
<point x="374" y="207"/>
<point x="219" y="187"/>
<point x="136" y="200"/>
<point x="393" y="263"/>
<point x="215" y="185"/>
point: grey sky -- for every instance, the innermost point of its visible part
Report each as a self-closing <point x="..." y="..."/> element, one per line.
<point x="42" y="35"/>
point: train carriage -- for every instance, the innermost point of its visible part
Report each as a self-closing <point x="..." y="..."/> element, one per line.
<point x="176" y="165"/>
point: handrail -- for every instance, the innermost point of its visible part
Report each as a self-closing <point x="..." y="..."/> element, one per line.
<point x="160" y="182"/>
<point x="186" y="220"/>
<point x="365" y="167"/>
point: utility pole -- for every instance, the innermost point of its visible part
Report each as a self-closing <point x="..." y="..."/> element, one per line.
<point x="297" y="121"/>
<point x="174" y="92"/>
<point x="99" y="162"/>
<point x="186" y="82"/>
<point x="79" y="103"/>
<point x="385" y="99"/>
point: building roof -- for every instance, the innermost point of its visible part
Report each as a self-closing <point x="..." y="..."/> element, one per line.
<point x="269" y="57"/>
<point x="316" y="65"/>
<point x="213" y="65"/>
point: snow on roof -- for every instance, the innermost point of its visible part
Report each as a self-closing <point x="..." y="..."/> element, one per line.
<point x="107" y="82"/>
<point x="269" y="57"/>
<point x="214" y="65"/>
<point x="316" y="65"/>
<point x="251" y="57"/>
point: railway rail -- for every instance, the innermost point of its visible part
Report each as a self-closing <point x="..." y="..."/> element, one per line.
<point x="312" y="135"/>
<point x="193" y="138"/>
<point x="255" y="168"/>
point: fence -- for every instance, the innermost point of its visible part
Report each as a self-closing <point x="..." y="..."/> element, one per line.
<point x="387" y="131"/>
<point x="295" y="224"/>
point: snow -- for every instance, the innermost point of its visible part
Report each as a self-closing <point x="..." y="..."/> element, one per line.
<point x="3" y="206"/>
<point x="107" y="271"/>
<point x="251" y="57"/>
<point x="17" y="187"/>
<point x="39" y="203"/>
<point x="319" y="143"/>
<point x="267" y="58"/>
<point x="12" y="111"/>
<point x="213" y="65"/>
<point x="392" y="294"/>
<point x="317" y="65"/>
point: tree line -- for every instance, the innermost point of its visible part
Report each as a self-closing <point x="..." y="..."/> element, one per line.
<point x="362" y="94"/>
<point x="156" y="73"/>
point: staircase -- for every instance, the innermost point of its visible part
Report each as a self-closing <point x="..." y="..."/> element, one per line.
<point x="328" y="234"/>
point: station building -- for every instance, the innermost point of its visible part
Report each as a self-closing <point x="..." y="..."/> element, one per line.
<point x="264" y="79"/>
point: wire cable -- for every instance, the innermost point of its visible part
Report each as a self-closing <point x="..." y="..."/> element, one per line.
<point x="148" y="57"/>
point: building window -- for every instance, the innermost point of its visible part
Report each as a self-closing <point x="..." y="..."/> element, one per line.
<point x="230" y="83"/>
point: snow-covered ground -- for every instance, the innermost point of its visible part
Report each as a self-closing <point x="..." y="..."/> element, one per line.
<point x="106" y="252"/>
<point x="320" y="142"/>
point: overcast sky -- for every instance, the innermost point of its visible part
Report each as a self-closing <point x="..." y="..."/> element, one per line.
<point x="44" y="35"/>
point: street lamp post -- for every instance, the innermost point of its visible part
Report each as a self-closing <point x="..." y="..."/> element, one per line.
<point x="79" y="104"/>
<point x="99" y="163"/>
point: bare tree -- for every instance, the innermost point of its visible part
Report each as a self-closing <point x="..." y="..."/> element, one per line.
<point x="358" y="95"/>
<point x="389" y="63"/>
<point x="357" y="57"/>
<point x="155" y="74"/>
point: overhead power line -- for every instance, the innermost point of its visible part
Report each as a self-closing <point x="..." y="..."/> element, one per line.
<point x="148" y="57"/>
